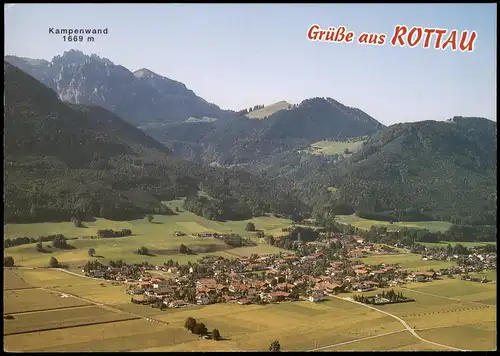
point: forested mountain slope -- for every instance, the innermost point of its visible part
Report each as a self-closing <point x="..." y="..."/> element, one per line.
<point x="63" y="160"/>
<point x="416" y="171"/>
<point x="244" y="140"/>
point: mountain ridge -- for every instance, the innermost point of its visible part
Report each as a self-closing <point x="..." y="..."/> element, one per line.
<point x="278" y="147"/>
<point x="89" y="79"/>
<point x="63" y="160"/>
<point x="436" y="170"/>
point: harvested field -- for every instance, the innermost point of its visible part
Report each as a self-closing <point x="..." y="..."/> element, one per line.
<point x="101" y="293"/>
<point x="61" y="318"/>
<point x="12" y="280"/>
<point x="119" y="336"/>
<point x="52" y="278"/>
<point x="402" y="341"/>
<point x="142" y="310"/>
<point x="36" y="300"/>
<point x="476" y="337"/>
<point x="299" y="326"/>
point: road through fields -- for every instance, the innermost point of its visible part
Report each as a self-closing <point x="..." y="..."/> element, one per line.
<point x="407" y="327"/>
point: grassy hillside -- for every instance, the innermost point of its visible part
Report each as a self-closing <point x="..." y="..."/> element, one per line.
<point x="157" y="236"/>
<point x="268" y="110"/>
<point x="336" y="147"/>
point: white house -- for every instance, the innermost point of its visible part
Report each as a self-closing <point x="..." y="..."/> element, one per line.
<point x="202" y="299"/>
<point x="316" y="297"/>
<point x="177" y="304"/>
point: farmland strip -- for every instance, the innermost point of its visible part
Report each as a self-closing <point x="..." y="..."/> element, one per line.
<point x="51" y="309"/>
<point x="70" y="326"/>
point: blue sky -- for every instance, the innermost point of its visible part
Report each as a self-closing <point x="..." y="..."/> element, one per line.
<point x="242" y="55"/>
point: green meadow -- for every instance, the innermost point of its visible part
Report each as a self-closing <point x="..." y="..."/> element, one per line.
<point x="453" y="243"/>
<point x="158" y="236"/>
<point x="335" y="147"/>
<point x="366" y="224"/>
<point x="268" y="110"/>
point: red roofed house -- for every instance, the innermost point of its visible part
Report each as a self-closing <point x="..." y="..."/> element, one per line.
<point x="277" y="296"/>
<point x="206" y="282"/>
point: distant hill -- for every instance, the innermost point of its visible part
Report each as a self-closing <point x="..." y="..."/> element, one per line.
<point x="242" y="141"/>
<point x="175" y="116"/>
<point x="424" y="170"/>
<point x="65" y="160"/>
<point x="268" y="110"/>
<point x="139" y="97"/>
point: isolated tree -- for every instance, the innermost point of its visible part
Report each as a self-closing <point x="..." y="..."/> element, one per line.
<point x="200" y="329"/>
<point x="250" y="227"/>
<point x="33" y="210"/>
<point x="346" y="151"/>
<point x="91" y="252"/>
<point x="8" y="261"/>
<point x="150" y="218"/>
<point x="59" y="242"/>
<point x="142" y="250"/>
<point x="39" y="247"/>
<point x="253" y="257"/>
<point x="183" y="249"/>
<point x="216" y="334"/>
<point x="53" y="262"/>
<point x="190" y="323"/>
<point x="275" y="346"/>
<point x="76" y="222"/>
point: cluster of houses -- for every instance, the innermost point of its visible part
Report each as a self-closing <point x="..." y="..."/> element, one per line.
<point x="231" y="239"/>
<point x="356" y="246"/>
<point x="476" y="261"/>
<point x="272" y="278"/>
<point x="474" y="279"/>
<point x="275" y="278"/>
<point x="281" y="279"/>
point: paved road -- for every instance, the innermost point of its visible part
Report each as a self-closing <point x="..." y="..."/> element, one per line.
<point x="411" y="330"/>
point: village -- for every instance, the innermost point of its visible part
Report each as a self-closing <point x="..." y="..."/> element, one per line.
<point x="331" y="265"/>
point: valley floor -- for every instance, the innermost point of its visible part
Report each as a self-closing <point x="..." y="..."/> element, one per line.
<point x="54" y="310"/>
<point x="57" y="310"/>
<point x="158" y="236"/>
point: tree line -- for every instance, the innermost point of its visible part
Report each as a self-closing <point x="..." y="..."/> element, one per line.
<point x="58" y="240"/>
